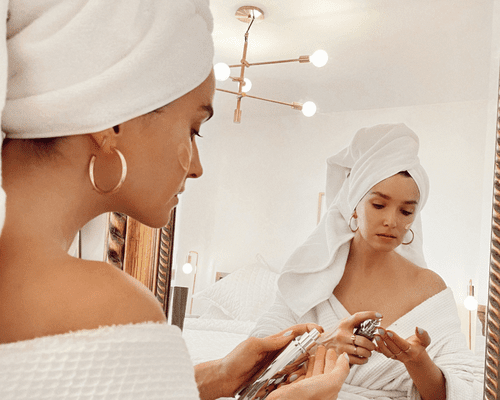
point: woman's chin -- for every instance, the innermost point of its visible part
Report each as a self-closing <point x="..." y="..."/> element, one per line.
<point x="155" y="220"/>
<point x="384" y="247"/>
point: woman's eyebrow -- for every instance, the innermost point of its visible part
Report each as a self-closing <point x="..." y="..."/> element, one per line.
<point x="384" y="196"/>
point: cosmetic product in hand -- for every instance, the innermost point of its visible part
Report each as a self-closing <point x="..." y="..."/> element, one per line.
<point x="287" y="362"/>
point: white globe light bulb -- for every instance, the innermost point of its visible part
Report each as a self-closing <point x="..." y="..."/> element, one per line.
<point x="319" y="58"/>
<point x="247" y="86"/>
<point x="470" y="303"/>
<point x="187" y="268"/>
<point x="309" y="109"/>
<point x="222" y="71"/>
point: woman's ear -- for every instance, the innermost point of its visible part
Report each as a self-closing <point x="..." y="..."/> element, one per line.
<point x="106" y="140"/>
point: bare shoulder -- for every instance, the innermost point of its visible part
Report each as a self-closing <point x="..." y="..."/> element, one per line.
<point x="71" y="295"/>
<point x="427" y="282"/>
<point x="432" y="280"/>
<point x="117" y="298"/>
<point x="87" y="294"/>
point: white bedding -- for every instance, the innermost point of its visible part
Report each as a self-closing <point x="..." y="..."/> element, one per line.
<point x="234" y="304"/>
<point x="209" y="339"/>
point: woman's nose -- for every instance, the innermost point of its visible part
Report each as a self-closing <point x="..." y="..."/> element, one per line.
<point x="195" y="168"/>
<point x="390" y="220"/>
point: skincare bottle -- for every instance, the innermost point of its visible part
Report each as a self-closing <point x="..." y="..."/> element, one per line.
<point x="288" y="361"/>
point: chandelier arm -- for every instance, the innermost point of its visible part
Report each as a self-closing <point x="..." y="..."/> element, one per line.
<point x="296" y="106"/>
<point x="301" y="60"/>
<point x="273" y="101"/>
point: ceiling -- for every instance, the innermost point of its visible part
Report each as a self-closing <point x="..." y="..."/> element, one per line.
<point x="383" y="54"/>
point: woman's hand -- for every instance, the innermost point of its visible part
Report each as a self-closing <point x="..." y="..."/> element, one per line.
<point x="358" y="348"/>
<point x="411" y="350"/>
<point x="324" y="378"/>
<point x="425" y="374"/>
<point x="251" y="357"/>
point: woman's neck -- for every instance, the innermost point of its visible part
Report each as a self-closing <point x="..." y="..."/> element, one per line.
<point x="46" y="201"/>
<point x="365" y="258"/>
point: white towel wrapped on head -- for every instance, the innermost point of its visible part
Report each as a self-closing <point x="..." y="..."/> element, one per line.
<point x="374" y="154"/>
<point x="82" y="66"/>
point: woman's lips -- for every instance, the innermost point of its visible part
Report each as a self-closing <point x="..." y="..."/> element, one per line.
<point x="386" y="236"/>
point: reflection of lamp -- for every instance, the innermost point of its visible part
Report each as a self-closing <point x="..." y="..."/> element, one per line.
<point x="187" y="268"/>
<point x="249" y="14"/>
<point x="470" y="304"/>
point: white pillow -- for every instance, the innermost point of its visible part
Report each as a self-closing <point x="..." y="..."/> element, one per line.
<point x="244" y="294"/>
<point x="214" y="312"/>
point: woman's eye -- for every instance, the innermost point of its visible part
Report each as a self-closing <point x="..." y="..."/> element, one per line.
<point x="378" y="206"/>
<point x="406" y="213"/>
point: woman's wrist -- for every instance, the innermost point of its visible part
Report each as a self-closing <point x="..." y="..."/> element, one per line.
<point x="211" y="380"/>
<point x="423" y="360"/>
<point x="427" y="377"/>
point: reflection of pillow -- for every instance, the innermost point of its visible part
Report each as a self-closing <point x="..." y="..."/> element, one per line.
<point x="244" y="294"/>
<point x="214" y="312"/>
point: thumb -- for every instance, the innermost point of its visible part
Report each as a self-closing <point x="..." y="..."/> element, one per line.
<point x="423" y="336"/>
<point x="276" y="342"/>
<point x="341" y="369"/>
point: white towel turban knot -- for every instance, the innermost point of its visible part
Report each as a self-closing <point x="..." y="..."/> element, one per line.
<point x="313" y="271"/>
<point x="81" y="66"/>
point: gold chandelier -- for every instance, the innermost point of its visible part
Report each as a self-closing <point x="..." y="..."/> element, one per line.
<point x="249" y="14"/>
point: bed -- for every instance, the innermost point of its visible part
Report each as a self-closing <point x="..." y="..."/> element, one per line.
<point x="234" y="304"/>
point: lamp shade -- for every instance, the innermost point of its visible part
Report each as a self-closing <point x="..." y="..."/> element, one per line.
<point x="187" y="268"/>
<point x="470" y="303"/>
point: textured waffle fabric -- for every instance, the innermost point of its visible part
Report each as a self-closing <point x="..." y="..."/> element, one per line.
<point x="137" y="361"/>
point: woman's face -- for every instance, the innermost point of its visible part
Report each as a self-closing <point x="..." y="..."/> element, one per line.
<point x="163" y="154"/>
<point x="387" y="211"/>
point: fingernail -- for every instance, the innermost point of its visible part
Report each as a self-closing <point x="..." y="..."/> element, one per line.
<point x="420" y="331"/>
<point x="378" y="338"/>
<point x="287" y="333"/>
<point x="378" y="315"/>
<point x="390" y="334"/>
<point x="380" y="331"/>
<point x="346" y="356"/>
<point x="293" y="377"/>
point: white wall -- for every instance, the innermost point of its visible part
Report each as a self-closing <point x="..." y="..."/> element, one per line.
<point x="262" y="178"/>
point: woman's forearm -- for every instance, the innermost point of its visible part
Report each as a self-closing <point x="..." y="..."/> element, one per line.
<point x="428" y="378"/>
<point x="210" y="380"/>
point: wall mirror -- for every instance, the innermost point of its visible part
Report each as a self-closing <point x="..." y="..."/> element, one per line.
<point x="433" y="65"/>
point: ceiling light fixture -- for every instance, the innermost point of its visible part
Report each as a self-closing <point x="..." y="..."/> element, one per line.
<point x="249" y="14"/>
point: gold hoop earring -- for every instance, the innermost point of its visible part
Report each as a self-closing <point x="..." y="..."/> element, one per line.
<point x="412" y="237"/>
<point x="122" y="178"/>
<point x="355" y="219"/>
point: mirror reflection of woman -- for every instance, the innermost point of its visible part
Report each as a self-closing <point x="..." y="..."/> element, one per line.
<point x="365" y="261"/>
<point x="105" y="101"/>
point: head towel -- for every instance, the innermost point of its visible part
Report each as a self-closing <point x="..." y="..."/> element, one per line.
<point x="314" y="269"/>
<point x="82" y="66"/>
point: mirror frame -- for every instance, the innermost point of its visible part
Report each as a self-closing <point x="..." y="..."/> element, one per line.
<point x="492" y="356"/>
<point x="144" y="253"/>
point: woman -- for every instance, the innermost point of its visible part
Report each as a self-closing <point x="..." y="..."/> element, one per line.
<point x="364" y="260"/>
<point x="104" y="103"/>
